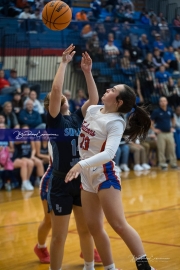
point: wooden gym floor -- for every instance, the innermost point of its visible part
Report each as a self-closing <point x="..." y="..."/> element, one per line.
<point x="152" y="206"/>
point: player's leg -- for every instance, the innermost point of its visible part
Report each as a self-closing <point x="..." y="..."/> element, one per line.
<point x="86" y="240"/>
<point x="59" y="233"/>
<point x="113" y="210"/>
<point x="43" y="231"/>
<point x="94" y="218"/>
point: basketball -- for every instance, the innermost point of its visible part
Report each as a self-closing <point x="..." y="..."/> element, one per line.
<point x="56" y="15"/>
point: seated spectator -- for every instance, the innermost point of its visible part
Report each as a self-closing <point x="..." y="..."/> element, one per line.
<point x="21" y="3"/>
<point x="37" y="14"/>
<point x="128" y="4"/>
<point x="17" y="103"/>
<point x="111" y="51"/>
<point x="87" y="32"/>
<point x="37" y="107"/>
<point x="158" y="60"/>
<point x="148" y="62"/>
<point x="170" y="58"/>
<point x="10" y="117"/>
<point x="158" y="44"/>
<point x="176" y="42"/>
<point x="143" y="44"/>
<point x="93" y="48"/>
<point x="119" y="15"/>
<point x="122" y="156"/>
<point x="39" y="4"/>
<point x="6" y="165"/>
<point x="25" y="159"/>
<point x="2" y="119"/>
<point x="91" y="17"/>
<point x="145" y="19"/>
<point x="150" y="144"/>
<point x="154" y="28"/>
<point x="42" y="151"/>
<point x="126" y="44"/>
<point x="164" y="30"/>
<point x="177" y="117"/>
<point x="140" y="157"/>
<point x="71" y="102"/>
<point x="81" y="16"/>
<point x="162" y="124"/>
<point x="95" y="6"/>
<point x="25" y="91"/>
<point x="110" y="5"/>
<point x="172" y="93"/>
<point x="5" y="87"/>
<point x="30" y="117"/>
<point x="26" y="14"/>
<point x="35" y="23"/>
<point x="144" y="85"/>
<point x="177" y="21"/>
<point x="129" y="16"/>
<point x="162" y="75"/>
<point x="101" y="31"/>
<point x="125" y="62"/>
<point x="80" y="98"/>
<point x="19" y="82"/>
<point x="160" y="17"/>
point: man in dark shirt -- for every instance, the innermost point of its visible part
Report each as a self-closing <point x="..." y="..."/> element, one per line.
<point x="162" y="124"/>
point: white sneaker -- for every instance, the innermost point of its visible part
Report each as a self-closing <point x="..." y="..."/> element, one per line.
<point x="138" y="167"/>
<point x="119" y="168"/>
<point x="26" y="185"/>
<point x="146" y="166"/>
<point x="124" y="168"/>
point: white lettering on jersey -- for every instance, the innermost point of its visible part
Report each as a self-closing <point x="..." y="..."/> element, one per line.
<point x="87" y="130"/>
<point x="71" y="132"/>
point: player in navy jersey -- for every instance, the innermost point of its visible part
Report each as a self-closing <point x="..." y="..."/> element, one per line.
<point x="101" y="132"/>
<point x="62" y="197"/>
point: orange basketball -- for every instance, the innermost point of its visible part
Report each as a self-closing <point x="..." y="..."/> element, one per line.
<point x="56" y="15"/>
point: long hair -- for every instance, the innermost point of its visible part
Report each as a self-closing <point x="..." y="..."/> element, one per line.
<point x="139" y="121"/>
<point x="47" y="100"/>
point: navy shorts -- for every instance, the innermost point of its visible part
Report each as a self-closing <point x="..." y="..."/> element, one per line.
<point x="43" y="187"/>
<point x="62" y="196"/>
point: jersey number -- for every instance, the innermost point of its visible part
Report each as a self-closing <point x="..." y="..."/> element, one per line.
<point x="85" y="142"/>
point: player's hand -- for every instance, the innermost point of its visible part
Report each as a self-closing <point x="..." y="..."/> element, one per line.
<point x="68" y="54"/>
<point x="86" y="62"/>
<point x="73" y="173"/>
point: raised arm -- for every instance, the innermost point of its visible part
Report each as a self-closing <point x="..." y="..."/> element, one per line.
<point x="86" y="66"/>
<point x="56" y="91"/>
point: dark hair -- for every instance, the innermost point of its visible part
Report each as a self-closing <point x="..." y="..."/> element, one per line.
<point x="138" y="121"/>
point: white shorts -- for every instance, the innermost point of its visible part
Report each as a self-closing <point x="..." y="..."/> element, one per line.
<point x="92" y="178"/>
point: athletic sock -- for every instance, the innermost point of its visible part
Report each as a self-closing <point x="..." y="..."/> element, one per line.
<point x="142" y="263"/>
<point x="88" y="266"/>
<point x="110" y="267"/>
<point x="41" y="246"/>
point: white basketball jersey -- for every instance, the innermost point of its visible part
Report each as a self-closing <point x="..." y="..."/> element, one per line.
<point x="95" y="130"/>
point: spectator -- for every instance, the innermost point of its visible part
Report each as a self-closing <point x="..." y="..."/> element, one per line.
<point x="119" y="15"/>
<point x="25" y="92"/>
<point x="25" y="159"/>
<point x="101" y="31"/>
<point x="111" y="51"/>
<point x="158" y="44"/>
<point x="125" y="62"/>
<point x="37" y="14"/>
<point x="93" y="47"/>
<point x="154" y="28"/>
<point x="2" y="119"/>
<point x="19" y="82"/>
<point x="26" y="13"/>
<point x="143" y="44"/>
<point x="42" y="151"/>
<point x="176" y="42"/>
<point x="177" y="117"/>
<point x="10" y="117"/>
<point x="164" y="30"/>
<point x="80" y="98"/>
<point x="162" y="119"/>
<point x="39" y="4"/>
<point x="126" y="44"/>
<point x="37" y="107"/>
<point x="91" y="17"/>
<point x="5" y="87"/>
<point x="21" y="3"/>
<point x="110" y="5"/>
<point x="87" y="31"/>
<point x="171" y="92"/>
<point x="145" y="85"/>
<point x="148" y="62"/>
<point x="17" y="103"/>
<point x="81" y="16"/>
<point x="145" y="19"/>
<point x="122" y="156"/>
<point x="151" y="147"/>
<point x="162" y="75"/>
<point x="30" y="117"/>
<point x="71" y="102"/>
<point x="170" y="58"/>
<point x="129" y="16"/>
<point x="177" y="21"/>
<point x="158" y="60"/>
<point x="160" y="17"/>
<point x="95" y="6"/>
<point x="140" y="157"/>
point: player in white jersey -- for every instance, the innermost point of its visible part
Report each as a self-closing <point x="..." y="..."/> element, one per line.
<point x="99" y="139"/>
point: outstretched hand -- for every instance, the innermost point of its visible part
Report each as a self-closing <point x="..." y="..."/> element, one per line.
<point x="68" y="54"/>
<point x="73" y="173"/>
<point x="86" y="62"/>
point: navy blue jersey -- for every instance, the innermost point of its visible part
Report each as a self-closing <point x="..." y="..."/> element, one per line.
<point x="65" y="145"/>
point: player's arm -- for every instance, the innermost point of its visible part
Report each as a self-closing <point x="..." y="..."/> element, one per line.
<point x="86" y="66"/>
<point x="56" y="91"/>
<point x="114" y="136"/>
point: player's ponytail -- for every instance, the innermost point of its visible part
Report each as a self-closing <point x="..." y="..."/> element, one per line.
<point x="139" y="121"/>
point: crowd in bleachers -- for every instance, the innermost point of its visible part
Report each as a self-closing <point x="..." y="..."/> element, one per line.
<point x="145" y="57"/>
